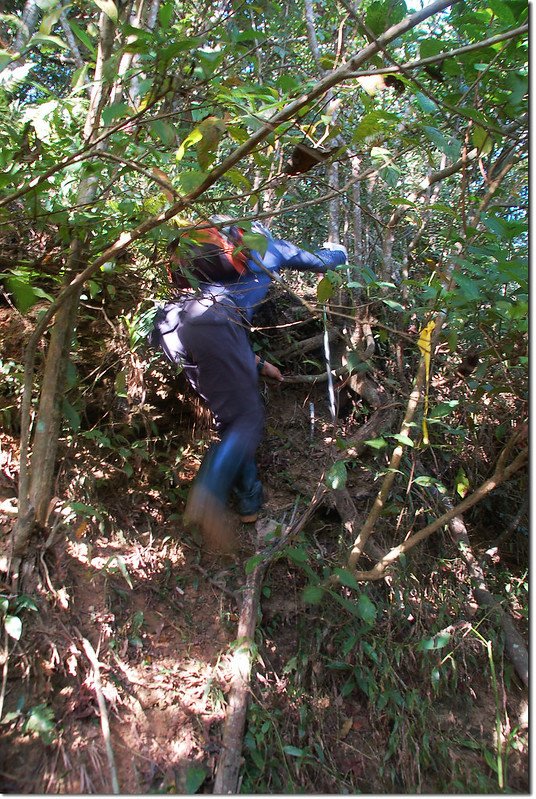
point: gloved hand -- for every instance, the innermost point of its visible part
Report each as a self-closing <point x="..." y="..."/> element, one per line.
<point x="329" y="245"/>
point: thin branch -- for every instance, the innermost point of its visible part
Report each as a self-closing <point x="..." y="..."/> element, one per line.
<point x="164" y="184"/>
<point x="499" y="476"/>
<point x="437" y="59"/>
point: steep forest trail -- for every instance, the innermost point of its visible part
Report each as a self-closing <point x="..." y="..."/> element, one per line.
<point x="342" y="702"/>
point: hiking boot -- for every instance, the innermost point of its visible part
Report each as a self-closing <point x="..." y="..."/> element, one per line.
<point x="206" y="513"/>
<point x="248" y="518"/>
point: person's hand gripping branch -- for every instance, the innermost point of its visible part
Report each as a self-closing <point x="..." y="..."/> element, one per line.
<point x="268" y="369"/>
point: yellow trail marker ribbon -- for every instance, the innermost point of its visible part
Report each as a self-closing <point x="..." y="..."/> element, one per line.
<point x="425" y="345"/>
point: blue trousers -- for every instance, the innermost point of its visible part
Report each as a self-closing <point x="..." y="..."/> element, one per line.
<point x="209" y="339"/>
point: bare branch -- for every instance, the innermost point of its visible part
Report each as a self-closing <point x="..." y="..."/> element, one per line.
<point x="438" y="59"/>
<point x="500" y="475"/>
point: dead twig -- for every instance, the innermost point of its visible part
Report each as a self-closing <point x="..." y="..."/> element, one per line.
<point x="105" y="724"/>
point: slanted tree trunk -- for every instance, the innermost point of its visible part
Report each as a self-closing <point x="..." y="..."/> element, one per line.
<point x="49" y="416"/>
<point x="34" y="506"/>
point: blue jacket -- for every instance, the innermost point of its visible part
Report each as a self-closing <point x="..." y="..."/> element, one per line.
<point x="250" y="289"/>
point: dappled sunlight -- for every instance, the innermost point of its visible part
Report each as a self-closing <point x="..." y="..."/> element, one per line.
<point x="363" y="627"/>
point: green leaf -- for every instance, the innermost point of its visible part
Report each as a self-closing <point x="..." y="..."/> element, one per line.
<point x="435" y="642"/>
<point x="180" y="46"/>
<point x="13" y="626"/>
<point x="324" y="289"/>
<point x="381" y="15"/>
<point x="518" y="86"/>
<point x="430" y="47"/>
<point x="366" y="609"/>
<point x="71" y="414"/>
<point x="469" y="288"/>
<point x="83" y="36"/>
<point x="443" y="409"/>
<point x="450" y="146"/>
<point x="109" y="8"/>
<point x="24" y="602"/>
<point x="312" y="594"/>
<point x="4" y="604"/>
<point x="390" y="174"/>
<point x="293" y="751"/>
<point x="252" y="563"/>
<point x="425" y="480"/>
<point x="115" y="111"/>
<point x="375" y="122"/>
<point x="5" y="58"/>
<point x="376" y="443"/>
<point x="190" y="180"/>
<point x="296" y="554"/>
<point x="347" y="578"/>
<point x="24" y="295"/>
<point x="491" y="760"/>
<point x="238" y="179"/>
<point x="402" y="439"/>
<point x="502" y="12"/>
<point x="462" y="483"/>
<point x="121" y="566"/>
<point x="336" y="475"/>
<point x="209" y="60"/>
<point x="163" y="131"/>
<point x="195" y="777"/>
<point x="49" y="20"/>
<point x="212" y="129"/>
<point x="42" y="38"/>
<point x="165" y="14"/>
<point x="396" y="306"/>
<point x="81" y="509"/>
<point x="425" y="103"/>
<point x="355" y="364"/>
<point x="482" y="140"/>
<point x="370" y="651"/>
<point x="256" y="241"/>
<point x="41" y="720"/>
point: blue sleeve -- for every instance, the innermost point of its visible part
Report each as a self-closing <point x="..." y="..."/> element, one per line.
<point x="292" y="257"/>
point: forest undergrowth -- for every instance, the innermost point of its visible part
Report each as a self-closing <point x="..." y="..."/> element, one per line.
<point x="400" y="685"/>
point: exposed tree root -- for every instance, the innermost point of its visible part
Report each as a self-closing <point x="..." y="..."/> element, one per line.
<point x="228" y="769"/>
<point x="306" y="345"/>
<point x="230" y="760"/>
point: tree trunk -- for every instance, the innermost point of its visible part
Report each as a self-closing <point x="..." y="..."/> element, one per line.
<point x="50" y="412"/>
<point x="357" y="217"/>
<point x="30" y="15"/>
<point x="334" y="204"/>
<point x="49" y="415"/>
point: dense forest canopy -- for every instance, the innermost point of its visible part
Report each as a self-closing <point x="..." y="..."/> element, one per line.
<point x="399" y="130"/>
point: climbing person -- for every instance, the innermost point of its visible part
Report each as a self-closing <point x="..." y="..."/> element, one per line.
<point x="205" y="331"/>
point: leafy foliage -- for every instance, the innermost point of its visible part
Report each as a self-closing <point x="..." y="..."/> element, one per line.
<point x="432" y="199"/>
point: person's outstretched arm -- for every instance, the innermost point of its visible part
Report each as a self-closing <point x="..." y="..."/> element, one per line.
<point x="293" y="257"/>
